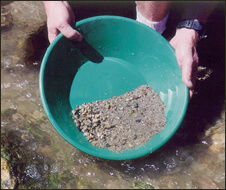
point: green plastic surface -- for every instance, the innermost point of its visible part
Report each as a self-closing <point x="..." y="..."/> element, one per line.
<point x="118" y="55"/>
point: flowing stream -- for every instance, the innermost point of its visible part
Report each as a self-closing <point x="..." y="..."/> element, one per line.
<point x="40" y="158"/>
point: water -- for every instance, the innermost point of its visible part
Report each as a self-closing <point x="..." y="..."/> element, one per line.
<point x="194" y="158"/>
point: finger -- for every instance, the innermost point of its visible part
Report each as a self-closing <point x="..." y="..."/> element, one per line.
<point x="190" y="93"/>
<point x="52" y="34"/>
<point x="187" y="73"/>
<point x="180" y="57"/>
<point x="69" y="32"/>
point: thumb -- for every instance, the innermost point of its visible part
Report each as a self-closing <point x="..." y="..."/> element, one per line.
<point x="69" y="32"/>
<point x="52" y="34"/>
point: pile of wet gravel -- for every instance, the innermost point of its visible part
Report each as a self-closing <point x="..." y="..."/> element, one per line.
<point x="122" y="122"/>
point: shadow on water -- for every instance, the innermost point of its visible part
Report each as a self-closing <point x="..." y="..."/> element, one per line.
<point x="204" y="108"/>
<point x="36" y="44"/>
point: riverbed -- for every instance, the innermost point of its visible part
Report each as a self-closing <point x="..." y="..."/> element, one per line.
<point x="38" y="157"/>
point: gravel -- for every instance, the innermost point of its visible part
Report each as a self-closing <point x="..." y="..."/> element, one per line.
<point x="122" y="122"/>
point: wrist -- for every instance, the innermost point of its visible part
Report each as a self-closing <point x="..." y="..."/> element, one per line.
<point x="194" y="24"/>
<point x="190" y="35"/>
<point x="48" y="4"/>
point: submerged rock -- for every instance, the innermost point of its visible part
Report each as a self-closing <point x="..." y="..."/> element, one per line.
<point x="29" y="18"/>
<point x="28" y="14"/>
<point x="205" y="183"/>
<point x="6" y="18"/>
<point x="218" y="142"/>
<point x="8" y="181"/>
<point x="29" y="134"/>
<point x="216" y="136"/>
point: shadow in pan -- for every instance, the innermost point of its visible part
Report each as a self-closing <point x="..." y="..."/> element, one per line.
<point x="88" y="51"/>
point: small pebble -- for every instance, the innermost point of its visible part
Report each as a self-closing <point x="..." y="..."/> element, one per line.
<point x="122" y="122"/>
<point x="138" y="120"/>
<point x="135" y="105"/>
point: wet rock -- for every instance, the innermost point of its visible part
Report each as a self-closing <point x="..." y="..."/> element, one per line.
<point x="218" y="142"/>
<point x="7" y="113"/>
<point x="17" y="117"/>
<point x="6" y="18"/>
<point x="205" y="183"/>
<point x="22" y="147"/>
<point x="142" y="185"/>
<point x="38" y="115"/>
<point x="170" y="164"/>
<point x="30" y="20"/>
<point x="216" y="134"/>
<point x="32" y="172"/>
<point x="7" y="180"/>
<point x="24" y="28"/>
<point x="27" y="14"/>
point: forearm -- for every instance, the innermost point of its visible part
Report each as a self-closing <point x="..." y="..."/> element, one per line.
<point x="49" y="4"/>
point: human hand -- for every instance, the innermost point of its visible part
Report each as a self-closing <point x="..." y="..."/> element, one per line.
<point x="184" y="43"/>
<point x="60" y="16"/>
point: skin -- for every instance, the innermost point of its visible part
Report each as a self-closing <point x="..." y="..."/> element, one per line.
<point x="184" y="41"/>
<point x="153" y="10"/>
<point x="65" y="18"/>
